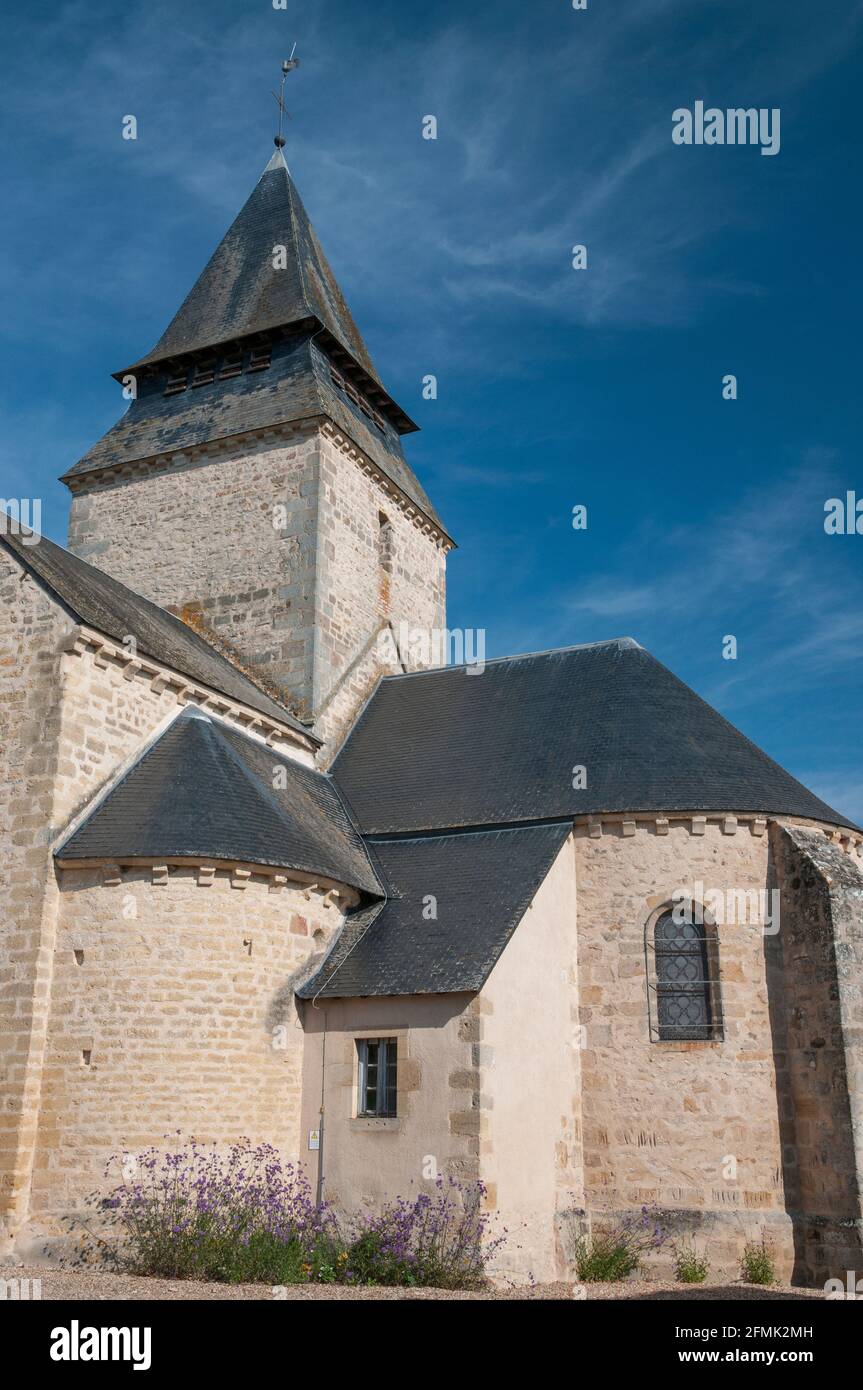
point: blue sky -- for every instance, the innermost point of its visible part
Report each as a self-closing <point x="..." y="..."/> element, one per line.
<point x="600" y="387"/>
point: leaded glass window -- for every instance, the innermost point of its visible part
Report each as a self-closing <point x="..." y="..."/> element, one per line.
<point x="683" y="984"/>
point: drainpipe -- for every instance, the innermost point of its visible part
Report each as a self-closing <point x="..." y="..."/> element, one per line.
<point x="319" y="1196"/>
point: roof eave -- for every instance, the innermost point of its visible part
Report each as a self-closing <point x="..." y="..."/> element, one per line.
<point x="333" y="345"/>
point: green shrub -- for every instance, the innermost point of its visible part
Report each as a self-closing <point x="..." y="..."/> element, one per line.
<point x="689" y="1266"/>
<point x="612" y="1256"/>
<point x="756" y="1265"/>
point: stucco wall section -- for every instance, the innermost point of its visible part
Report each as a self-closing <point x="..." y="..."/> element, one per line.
<point x="529" y="1073"/>
<point x="367" y="1162"/>
<point x="172" y="1009"/>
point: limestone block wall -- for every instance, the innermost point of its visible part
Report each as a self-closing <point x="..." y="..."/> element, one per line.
<point x="364" y="581"/>
<point x="692" y="1126"/>
<point x="298" y="600"/>
<point x="368" y="1161"/>
<point x="171" y="1009"/>
<point x="32" y="629"/>
<point x="527" y="1070"/>
<point x="71" y="716"/>
<point x="819" y="1009"/>
<point x="109" y="710"/>
<point x="197" y="535"/>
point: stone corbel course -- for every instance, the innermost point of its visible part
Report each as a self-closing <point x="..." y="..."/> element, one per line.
<point x="696" y="823"/>
<point x="83" y="640"/>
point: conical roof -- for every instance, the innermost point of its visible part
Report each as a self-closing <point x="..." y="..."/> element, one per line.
<point x="204" y="790"/>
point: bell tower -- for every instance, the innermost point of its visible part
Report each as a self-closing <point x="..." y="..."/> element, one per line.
<point x="257" y="485"/>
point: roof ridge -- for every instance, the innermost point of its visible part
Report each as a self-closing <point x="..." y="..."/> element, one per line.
<point x="114" y="782"/>
<point x="625" y="643"/>
<point x="304" y="291"/>
<point x="251" y="778"/>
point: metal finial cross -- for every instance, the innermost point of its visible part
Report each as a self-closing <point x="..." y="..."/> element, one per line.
<point x="287" y="66"/>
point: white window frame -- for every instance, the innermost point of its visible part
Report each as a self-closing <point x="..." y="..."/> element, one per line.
<point x="386" y="1103"/>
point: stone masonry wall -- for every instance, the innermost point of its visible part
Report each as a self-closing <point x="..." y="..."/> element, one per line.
<point x="298" y="601"/>
<point x="365" y="584"/>
<point x="198" y="537"/>
<point x="108" y="714"/>
<point x="819" y="1021"/>
<point x="32" y="628"/>
<point x="68" y="722"/>
<point x="172" y="1009"/>
<point x="692" y="1126"/>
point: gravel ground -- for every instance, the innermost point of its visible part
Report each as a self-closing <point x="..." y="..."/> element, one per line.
<point x="94" y="1285"/>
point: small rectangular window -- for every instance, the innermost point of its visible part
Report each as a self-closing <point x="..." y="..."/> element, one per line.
<point x="378" y="1077"/>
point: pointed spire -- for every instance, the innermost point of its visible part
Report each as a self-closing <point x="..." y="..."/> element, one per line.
<point x="276" y="161"/>
<point x="268" y="272"/>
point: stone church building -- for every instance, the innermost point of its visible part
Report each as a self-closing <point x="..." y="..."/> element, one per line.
<point x="554" y="924"/>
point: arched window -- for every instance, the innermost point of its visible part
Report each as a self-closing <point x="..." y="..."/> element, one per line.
<point x="684" y="979"/>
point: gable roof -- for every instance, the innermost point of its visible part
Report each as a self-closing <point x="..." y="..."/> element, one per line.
<point x="103" y="603"/>
<point x="205" y="790"/>
<point x="445" y="748"/>
<point x="241" y="292"/>
<point x="482" y="882"/>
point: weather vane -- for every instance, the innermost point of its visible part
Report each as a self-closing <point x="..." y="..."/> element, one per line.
<point x="287" y="66"/>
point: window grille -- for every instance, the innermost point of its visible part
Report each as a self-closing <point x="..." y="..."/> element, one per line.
<point x="683" y="981"/>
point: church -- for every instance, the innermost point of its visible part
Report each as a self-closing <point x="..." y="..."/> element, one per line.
<point x="552" y="924"/>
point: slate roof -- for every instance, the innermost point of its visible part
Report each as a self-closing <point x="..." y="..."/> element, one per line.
<point x="296" y="386"/>
<point x="240" y="291"/>
<point x="94" y="598"/>
<point x="483" y="884"/>
<point x="205" y="790"/>
<point x="240" y="299"/>
<point x="444" y="748"/>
